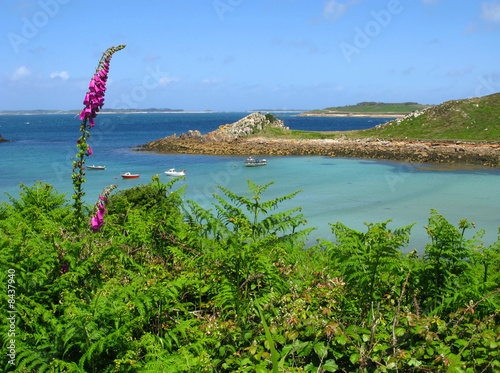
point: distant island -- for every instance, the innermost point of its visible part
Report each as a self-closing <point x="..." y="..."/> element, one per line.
<point x="368" y="109"/>
<point x="103" y="111"/>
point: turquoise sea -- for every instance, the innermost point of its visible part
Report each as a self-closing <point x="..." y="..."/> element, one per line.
<point x="352" y="191"/>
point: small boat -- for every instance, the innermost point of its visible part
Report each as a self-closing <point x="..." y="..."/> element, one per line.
<point x="172" y="172"/>
<point x="252" y="162"/>
<point x="128" y="175"/>
<point x="96" y="167"/>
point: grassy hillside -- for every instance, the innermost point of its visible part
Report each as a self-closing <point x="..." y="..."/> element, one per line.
<point x="378" y="108"/>
<point x="472" y="119"/>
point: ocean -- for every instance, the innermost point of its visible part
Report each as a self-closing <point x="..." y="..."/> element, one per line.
<point x="352" y="191"/>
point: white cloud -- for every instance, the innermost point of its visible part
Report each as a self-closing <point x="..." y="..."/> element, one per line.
<point x="210" y="81"/>
<point x="491" y="11"/>
<point x="334" y="9"/>
<point x="62" y="74"/>
<point x="165" y="80"/>
<point x="20" y="73"/>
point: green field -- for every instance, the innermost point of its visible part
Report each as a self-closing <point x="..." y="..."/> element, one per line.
<point x="378" y="108"/>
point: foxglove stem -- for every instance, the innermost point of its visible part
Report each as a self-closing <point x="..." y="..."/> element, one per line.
<point x="93" y="101"/>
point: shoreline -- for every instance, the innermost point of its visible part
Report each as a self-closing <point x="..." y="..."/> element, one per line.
<point x="411" y="151"/>
<point x="351" y="115"/>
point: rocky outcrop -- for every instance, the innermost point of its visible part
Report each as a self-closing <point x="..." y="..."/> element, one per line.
<point x="249" y="125"/>
<point x="2" y="139"/>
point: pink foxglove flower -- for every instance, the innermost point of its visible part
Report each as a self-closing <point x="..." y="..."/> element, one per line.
<point x="93" y="101"/>
<point x="99" y="209"/>
<point x="95" y="224"/>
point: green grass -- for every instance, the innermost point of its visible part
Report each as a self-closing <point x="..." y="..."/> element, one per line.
<point x="474" y="119"/>
<point x="278" y="133"/>
<point x="378" y="108"/>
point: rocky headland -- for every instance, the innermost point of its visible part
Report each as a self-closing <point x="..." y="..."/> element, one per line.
<point x="2" y="139"/>
<point x="232" y="139"/>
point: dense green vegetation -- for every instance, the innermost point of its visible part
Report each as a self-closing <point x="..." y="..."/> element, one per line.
<point x="378" y="108"/>
<point x="473" y="119"/>
<point x="167" y="286"/>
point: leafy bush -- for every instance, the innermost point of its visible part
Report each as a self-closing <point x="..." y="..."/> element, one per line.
<point x="169" y="286"/>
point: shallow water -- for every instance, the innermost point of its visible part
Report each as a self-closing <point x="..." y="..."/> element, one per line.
<point x="352" y="191"/>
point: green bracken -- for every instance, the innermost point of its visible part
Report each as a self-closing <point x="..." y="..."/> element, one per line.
<point x="167" y="286"/>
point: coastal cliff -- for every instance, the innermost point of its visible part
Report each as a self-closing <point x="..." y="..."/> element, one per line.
<point x="231" y="140"/>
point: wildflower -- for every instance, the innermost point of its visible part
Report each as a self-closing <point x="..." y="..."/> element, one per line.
<point x="95" y="224"/>
<point x="93" y="101"/>
<point x="97" y="219"/>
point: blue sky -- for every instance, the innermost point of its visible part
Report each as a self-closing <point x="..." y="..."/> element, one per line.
<point x="248" y="54"/>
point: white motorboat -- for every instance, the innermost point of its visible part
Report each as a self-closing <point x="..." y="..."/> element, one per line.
<point x="252" y="162"/>
<point x="96" y="167"/>
<point x="172" y="172"/>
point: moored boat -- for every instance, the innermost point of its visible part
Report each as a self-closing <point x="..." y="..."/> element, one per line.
<point x="128" y="175"/>
<point x="252" y="162"/>
<point x="96" y="167"/>
<point x="172" y="172"/>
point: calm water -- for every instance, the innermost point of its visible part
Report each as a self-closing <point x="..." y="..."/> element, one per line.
<point x="351" y="191"/>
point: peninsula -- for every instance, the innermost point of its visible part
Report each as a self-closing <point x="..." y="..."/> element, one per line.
<point x="460" y="132"/>
<point x="368" y="109"/>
